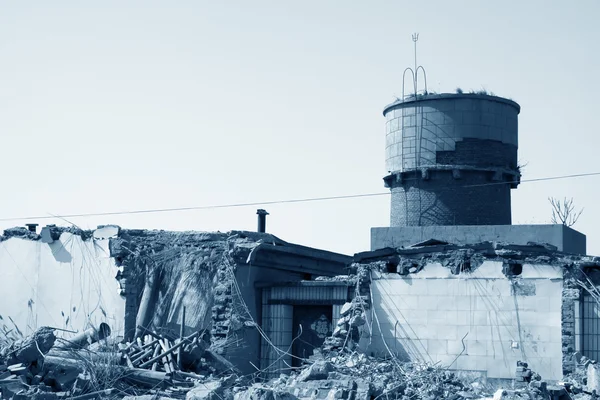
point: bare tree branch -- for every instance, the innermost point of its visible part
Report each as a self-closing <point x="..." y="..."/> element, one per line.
<point x="564" y="212"/>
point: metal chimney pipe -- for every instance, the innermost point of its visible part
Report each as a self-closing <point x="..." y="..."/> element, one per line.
<point x="32" y="227"/>
<point x="262" y="220"/>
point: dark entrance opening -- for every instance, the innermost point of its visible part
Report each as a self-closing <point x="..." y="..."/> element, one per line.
<point x="316" y="326"/>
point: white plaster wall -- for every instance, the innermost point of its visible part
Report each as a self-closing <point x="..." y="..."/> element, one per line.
<point x="425" y="316"/>
<point x="67" y="284"/>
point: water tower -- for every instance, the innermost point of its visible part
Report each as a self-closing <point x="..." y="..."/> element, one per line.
<point x="452" y="163"/>
<point x="451" y="158"/>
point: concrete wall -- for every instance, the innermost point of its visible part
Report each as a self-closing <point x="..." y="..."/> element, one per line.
<point x="564" y="238"/>
<point x="67" y="284"/>
<point x="417" y="130"/>
<point x="480" y="321"/>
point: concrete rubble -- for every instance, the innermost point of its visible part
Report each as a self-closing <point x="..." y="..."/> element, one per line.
<point x="95" y="366"/>
<point x="181" y="355"/>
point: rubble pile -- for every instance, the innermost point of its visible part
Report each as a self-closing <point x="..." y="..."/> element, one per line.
<point x="91" y="365"/>
<point x="352" y="317"/>
<point x="356" y="376"/>
<point x="164" y="365"/>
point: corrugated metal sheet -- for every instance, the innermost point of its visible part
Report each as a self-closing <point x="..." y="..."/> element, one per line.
<point x="277" y="318"/>
<point x="310" y="293"/>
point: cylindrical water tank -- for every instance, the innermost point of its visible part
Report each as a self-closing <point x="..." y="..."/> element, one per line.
<point x="451" y="159"/>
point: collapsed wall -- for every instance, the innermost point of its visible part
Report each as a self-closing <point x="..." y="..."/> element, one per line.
<point x="63" y="278"/>
<point x="72" y="279"/>
<point x="478" y="308"/>
<point x="164" y="273"/>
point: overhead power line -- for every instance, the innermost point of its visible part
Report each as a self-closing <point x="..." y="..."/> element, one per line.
<point x="264" y="203"/>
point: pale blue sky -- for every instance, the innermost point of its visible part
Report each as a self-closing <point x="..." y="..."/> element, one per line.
<point x="112" y="105"/>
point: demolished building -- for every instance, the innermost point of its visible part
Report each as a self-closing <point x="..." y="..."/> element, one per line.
<point x="450" y="283"/>
<point x="459" y="284"/>
<point x="228" y="285"/>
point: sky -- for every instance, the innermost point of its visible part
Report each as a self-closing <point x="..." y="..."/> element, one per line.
<point x="115" y="106"/>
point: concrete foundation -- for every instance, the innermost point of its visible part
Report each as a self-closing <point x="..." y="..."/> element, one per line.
<point x="565" y="239"/>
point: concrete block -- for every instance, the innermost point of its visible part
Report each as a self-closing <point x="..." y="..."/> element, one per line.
<point x="504" y="318"/>
<point x="464" y="303"/>
<point x="464" y="104"/>
<point x="415" y="332"/>
<point x="436" y="271"/>
<point x="408" y="121"/>
<point x="444" y="105"/>
<point x="465" y="288"/>
<point x="452" y="118"/>
<point x="389" y="140"/>
<point x="427" y="303"/>
<point x="405" y="302"/>
<point x="446" y="131"/>
<point x="427" y="332"/>
<point x="497" y="349"/>
<point x="489" y="269"/>
<point x="480" y="318"/>
<point x="499" y="368"/>
<point x="463" y="318"/>
<point x="106" y="231"/>
<point x="435" y="317"/>
<point x="466" y="363"/>
<point x="488" y="119"/>
<point x="455" y="347"/>
<point x="480" y="362"/>
<point x="495" y="133"/>
<point x="433" y="119"/>
<point x="500" y="287"/>
<point x="485" y="333"/>
<point x="417" y="317"/>
<point x="537" y="333"/>
<point x="485" y="303"/>
<point x="450" y="332"/>
<point x="527" y="303"/>
<point x="409" y="111"/>
<point x="542" y="303"/>
<point x="471" y="118"/>
<point x="527" y="318"/>
<point x="552" y="319"/>
<point x="476" y="347"/>
<point x="534" y="271"/>
<point x="446" y="303"/>
<point x="444" y="360"/>
<point x="427" y="110"/>
<point x="451" y="317"/>
<point x="507" y="304"/>
<point x="437" y="346"/>
<point x="507" y="333"/>
<point x="549" y="288"/>
<point x="398" y="137"/>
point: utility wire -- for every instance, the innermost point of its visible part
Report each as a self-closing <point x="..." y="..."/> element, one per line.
<point x="263" y="203"/>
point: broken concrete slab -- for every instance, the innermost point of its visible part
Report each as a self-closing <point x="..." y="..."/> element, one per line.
<point x="318" y="370"/>
<point x="106" y="231"/>
<point x="204" y="391"/>
<point x="346" y="308"/>
<point x="33" y="347"/>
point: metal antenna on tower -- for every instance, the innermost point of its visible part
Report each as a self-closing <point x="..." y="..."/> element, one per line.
<point x="415" y="71"/>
